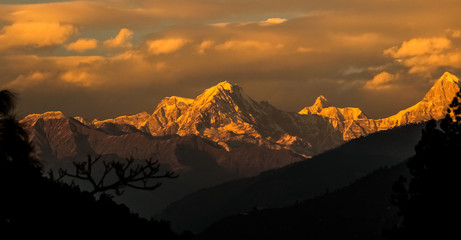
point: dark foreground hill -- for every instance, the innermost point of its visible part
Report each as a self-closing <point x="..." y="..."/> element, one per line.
<point x="360" y="211"/>
<point x="303" y="180"/>
<point x="34" y="205"/>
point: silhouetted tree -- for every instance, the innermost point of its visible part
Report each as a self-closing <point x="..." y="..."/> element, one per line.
<point x="7" y="102"/>
<point x="429" y="201"/>
<point x="115" y="175"/>
<point x="33" y="204"/>
<point x="15" y="148"/>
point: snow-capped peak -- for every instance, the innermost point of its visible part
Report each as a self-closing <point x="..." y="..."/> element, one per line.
<point x="448" y="77"/>
<point x="226" y="86"/>
<point x="45" y="116"/>
<point x="176" y="99"/>
<point x="222" y="94"/>
<point x="222" y="88"/>
<point x="321" y="102"/>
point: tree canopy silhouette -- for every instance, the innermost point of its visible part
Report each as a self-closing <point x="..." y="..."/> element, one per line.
<point x="30" y="201"/>
<point x="429" y="201"/>
<point x="15" y="148"/>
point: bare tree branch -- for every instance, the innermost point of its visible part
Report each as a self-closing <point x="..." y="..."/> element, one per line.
<point x="127" y="175"/>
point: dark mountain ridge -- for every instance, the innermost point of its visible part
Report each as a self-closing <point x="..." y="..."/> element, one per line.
<point x="299" y="181"/>
<point x="359" y="211"/>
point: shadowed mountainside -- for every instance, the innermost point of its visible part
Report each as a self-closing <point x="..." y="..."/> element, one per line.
<point x="303" y="180"/>
<point x="360" y="211"/>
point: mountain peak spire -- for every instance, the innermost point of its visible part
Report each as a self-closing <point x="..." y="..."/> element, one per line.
<point x="224" y="86"/>
<point x="448" y="77"/>
<point x="321" y="102"/>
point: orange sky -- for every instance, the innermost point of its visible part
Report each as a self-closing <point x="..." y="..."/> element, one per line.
<point x="105" y="58"/>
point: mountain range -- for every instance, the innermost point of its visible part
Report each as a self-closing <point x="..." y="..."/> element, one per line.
<point x="226" y="115"/>
<point x="225" y="131"/>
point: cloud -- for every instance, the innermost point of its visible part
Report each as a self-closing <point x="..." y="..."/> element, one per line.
<point x="274" y="21"/>
<point x="80" y="78"/>
<point x="453" y="33"/>
<point x="242" y="45"/>
<point x="419" y="46"/>
<point x="166" y="46"/>
<point x="27" y="80"/>
<point x="426" y="64"/>
<point x="304" y="49"/>
<point x="122" y="39"/>
<point x="425" y="55"/>
<point x="383" y="80"/>
<point x="82" y="45"/>
<point x="361" y="40"/>
<point x="204" y="46"/>
<point x="35" y="34"/>
<point x="267" y="22"/>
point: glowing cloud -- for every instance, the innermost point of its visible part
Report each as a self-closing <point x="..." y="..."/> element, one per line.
<point x="165" y="46"/>
<point x="381" y="81"/>
<point x="424" y="55"/>
<point x="304" y="50"/>
<point x="35" y="34"/>
<point x="80" y="78"/>
<point x="236" y="45"/>
<point x="267" y="22"/>
<point x="122" y="39"/>
<point x="271" y="21"/>
<point x="453" y="33"/>
<point x="82" y="45"/>
<point x="419" y="46"/>
<point x="204" y="46"/>
<point x="425" y="64"/>
<point x="23" y="81"/>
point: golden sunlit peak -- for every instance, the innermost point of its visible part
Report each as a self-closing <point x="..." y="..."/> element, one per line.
<point x="179" y="99"/>
<point x="46" y="116"/>
<point x="226" y="85"/>
<point x="450" y="77"/>
<point x="321" y="101"/>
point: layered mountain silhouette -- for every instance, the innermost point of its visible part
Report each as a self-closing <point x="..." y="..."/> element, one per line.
<point x="297" y="182"/>
<point x="359" y="211"/>
<point x="223" y="127"/>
